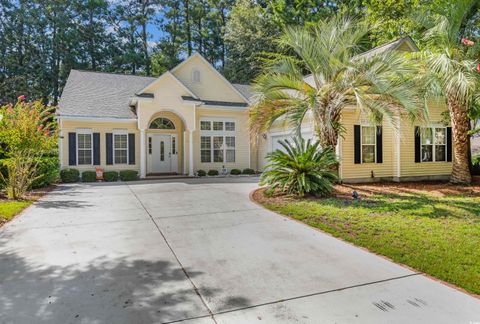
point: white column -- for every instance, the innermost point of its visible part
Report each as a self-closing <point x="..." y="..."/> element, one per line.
<point x="184" y="171"/>
<point x="60" y="144"/>
<point x="190" y="153"/>
<point x="143" y="173"/>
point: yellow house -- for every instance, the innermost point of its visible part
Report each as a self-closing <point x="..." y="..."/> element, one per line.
<point x="192" y="118"/>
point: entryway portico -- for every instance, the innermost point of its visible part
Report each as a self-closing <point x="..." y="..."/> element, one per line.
<point x="163" y="147"/>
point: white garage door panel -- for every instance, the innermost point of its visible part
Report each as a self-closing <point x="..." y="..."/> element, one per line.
<point x="275" y="145"/>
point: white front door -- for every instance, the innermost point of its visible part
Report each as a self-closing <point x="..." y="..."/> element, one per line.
<point x="161" y="153"/>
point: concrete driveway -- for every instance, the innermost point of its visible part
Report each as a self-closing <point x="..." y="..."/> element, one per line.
<point x="199" y="251"/>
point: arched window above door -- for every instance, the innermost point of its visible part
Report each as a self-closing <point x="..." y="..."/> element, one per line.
<point x="162" y="123"/>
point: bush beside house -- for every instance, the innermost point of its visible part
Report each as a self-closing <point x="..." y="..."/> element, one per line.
<point x="128" y="175"/>
<point x="70" y="175"/>
<point x="110" y="176"/>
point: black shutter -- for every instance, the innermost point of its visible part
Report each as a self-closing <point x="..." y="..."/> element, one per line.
<point x="131" y="148"/>
<point x="449" y="144"/>
<point x="379" y="145"/>
<point x="96" y="148"/>
<point x="72" y="148"/>
<point x="357" y="143"/>
<point x="417" y="144"/>
<point x="109" y="146"/>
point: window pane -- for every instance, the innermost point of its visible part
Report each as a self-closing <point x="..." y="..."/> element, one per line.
<point x="217" y="126"/>
<point x="427" y="153"/>
<point x="368" y="153"/>
<point x="440" y="153"/>
<point x="230" y="142"/>
<point x="205" y="143"/>
<point x="368" y="135"/>
<point x="440" y="135"/>
<point x="206" y="156"/>
<point x="427" y="136"/>
<point x="120" y="141"/>
<point x="120" y="156"/>
<point x="229" y="126"/>
<point x="84" y="141"/>
<point x="162" y="123"/>
<point x="84" y="157"/>
<point x="230" y="156"/>
<point x="217" y="148"/>
<point x="205" y="125"/>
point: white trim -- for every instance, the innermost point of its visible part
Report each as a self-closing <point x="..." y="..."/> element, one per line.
<point x="83" y="131"/>
<point x="119" y="131"/>
<point x="96" y="119"/>
<point x="213" y="69"/>
<point x="168" y="73"/>
<point x="190" y="153"/>
<point x="142" y="154"/>
<point x="340" y="156"/>
<point x="60" y="144"/>
<point x="184" y="156"/>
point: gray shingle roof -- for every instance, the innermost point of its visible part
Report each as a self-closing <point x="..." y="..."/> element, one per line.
<point x="97" y="94"/>
<point x="244" y="89"/>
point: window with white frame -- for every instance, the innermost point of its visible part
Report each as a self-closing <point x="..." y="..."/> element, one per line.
<point x="217" y="141"/>
<point x="120" y="147"/>
<point x="434" y="144"/>
<point x="84" y="147"/>
<point x="369" y="139"/>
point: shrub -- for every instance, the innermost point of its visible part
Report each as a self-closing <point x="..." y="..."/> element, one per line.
<point x="302" y="168"/>
<point x="212" y="172"/>
<point x="89" y="176"/>
<point x="110" y="176"/>
<point x="69" y="175"/>
<point x="47" y="171"/>
<point x="248" y="171"/>
<point x="235" y="172"/>
<point x="128" y="175"/>
<point x="201" y="173"/>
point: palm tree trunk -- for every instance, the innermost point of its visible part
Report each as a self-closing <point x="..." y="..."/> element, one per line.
<point x="460" y="127"/>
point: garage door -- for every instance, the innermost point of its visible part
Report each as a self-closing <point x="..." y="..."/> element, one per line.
<point x="276" y="138"/>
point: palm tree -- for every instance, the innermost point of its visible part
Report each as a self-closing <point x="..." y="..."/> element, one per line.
<point x="378" y="83"/>
<point x="452" y="73"/>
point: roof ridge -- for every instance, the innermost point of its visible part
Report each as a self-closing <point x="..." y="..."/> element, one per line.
<point x="114" y="73"/>
<point x="385" y="44"/>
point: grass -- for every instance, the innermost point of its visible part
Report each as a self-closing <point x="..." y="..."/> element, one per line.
<point x="434" y="228"/>
<point x="8" y="209"/>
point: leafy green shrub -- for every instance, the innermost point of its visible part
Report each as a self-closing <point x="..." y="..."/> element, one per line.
<point x="212" y="172"/>
<point x="47" y="171"/>
<point x="235" y="172"/>
<point x="69" y="175"/>
<point x="248" y="171"/>
<point x="302" y="168"/>
<point x="89" y="176"/>
<point x="201" y="173"/>
<point x="128" y="175"/>
<point x="110" y="176"/>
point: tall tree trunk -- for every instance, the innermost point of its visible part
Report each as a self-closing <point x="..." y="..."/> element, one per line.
<point x="91" y="41"/>
<point x="146" y="57"/>
<point x="188" y="27"/>
<point x="460" y="127"/>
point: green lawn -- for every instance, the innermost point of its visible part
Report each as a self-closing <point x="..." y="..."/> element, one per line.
<point x="434" y="230"/>
<point x="8" y="209"/>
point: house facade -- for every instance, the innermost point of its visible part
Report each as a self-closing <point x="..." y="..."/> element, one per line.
<point x="191" y="118"/>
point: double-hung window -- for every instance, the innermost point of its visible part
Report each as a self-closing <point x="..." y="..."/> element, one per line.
<point x="434" y="144"/>
<point x="368" y="144"/>
<point x="217" y="141"/>
<point x="84" y="147"/>
<point x="120" y="147"/>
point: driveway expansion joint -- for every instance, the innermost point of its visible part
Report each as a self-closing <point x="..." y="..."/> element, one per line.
<point x="195" y="288"/>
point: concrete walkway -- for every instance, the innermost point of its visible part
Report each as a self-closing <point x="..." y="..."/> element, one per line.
<point x="168" y="252"/>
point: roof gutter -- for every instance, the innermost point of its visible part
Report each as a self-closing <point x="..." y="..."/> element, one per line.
<point x="95" y="119"/>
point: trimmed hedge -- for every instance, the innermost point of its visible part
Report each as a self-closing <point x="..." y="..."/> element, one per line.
<point x="248" y="171"/>
<point x="70" y="175"/>
<point x="235" y="171"/>
<point x="89" y="176"/>
<point x="212" y="172"/>
<point x="128" y="175"/>
<point x="201" y="173"/>
<point x="110" y="176"/>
